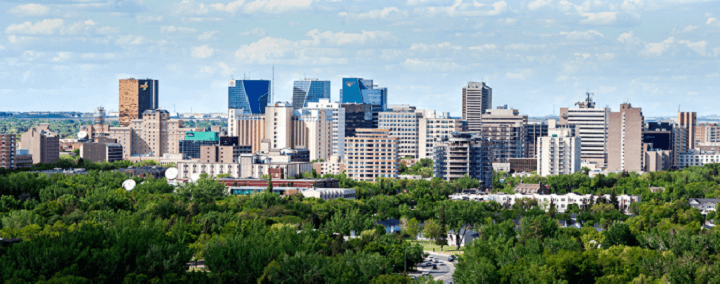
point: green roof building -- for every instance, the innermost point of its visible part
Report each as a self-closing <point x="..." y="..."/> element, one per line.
<point x="202" y="136"/>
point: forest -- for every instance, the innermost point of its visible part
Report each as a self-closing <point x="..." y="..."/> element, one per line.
<point x="88" y="229"/>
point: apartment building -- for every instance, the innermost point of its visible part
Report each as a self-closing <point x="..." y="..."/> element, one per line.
<point x="591" y="125"/>
<point x="433" y="127"/>
<point x="152" y="136"/>
<point x="136" y="96"/>
<point x="694" y="157"/>
<point x="558" y="153"/>
<point x="372" y="153"/>
<point x="688" y="120"/>
<point x="7" y="151"/>
<point x="338" y="123"/>
<point x="476" y="99"/>
<point x="534" y="130"/>
<point x="334" y="166"/>
<point x="461" y="154"/>
<point x="247" y="127"/>
<point x="656" y="159"/>
<point x="222" y="154"/>
<point x="707" y="133"/>
<point x="560" y="201"/>
<point x="403" y="122"/>
<point x="507" y="126"/>
<point x="312" y="129"/>
<point x="625" y="128"/>
<point x="42" y="143"/>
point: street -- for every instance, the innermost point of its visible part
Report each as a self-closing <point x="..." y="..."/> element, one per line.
<point x="443" y="272"/>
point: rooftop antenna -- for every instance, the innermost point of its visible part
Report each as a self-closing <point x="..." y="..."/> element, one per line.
<point x="272" y="88"/>
<point x="100" y="119"/>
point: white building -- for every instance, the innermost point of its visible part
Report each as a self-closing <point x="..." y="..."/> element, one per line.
<point x="433" y="127"/>
<point x="558" y="153"/>
<point x="187" y="169"/>
<point x="696" y="157"/>
<point x="402" y="121"/>
<point x="338" y="124"/>
<point x="591" y="125"/>
<point x="561" y="201"/>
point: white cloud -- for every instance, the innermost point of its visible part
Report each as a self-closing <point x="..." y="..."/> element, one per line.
<point x="44" y="27"/>
<point x="207" y="35"/>
<point x="30" y="10"/>
<point x="601" y="18"/>
<point x="460" y="9"/>
<point x="342" y="38"/>
<point x="148" y="19"/>
<point x="174" y="29"/>
<point x="202" y="52"/>
<point x="700" y="46"/>
<point x="255" y="32"/>
<point x="605" y="56"/>
<point x="484" y="47"/>
<point x="374" y="14"/>
<point x="520" y="75"/>
<point x="588" y="35"/>
<point x="507" y="21"/>
<point x="687" y="29"/>
<point x="132" y="40"/>
<point x="62" y="56"/>
<point x="276" y="6"/>
<point x="537" y="4"/>
<point x="629" y="38"/>
<point x="231" y="7"/>
<point x="713" y="22"/>
<point x="632" y="4"/>
<point x="658" y="48"/>
<point x="390" y="54"/>
<point x="434" y="66"/>
<point x="421" y="47"/>
<point x="525" y="46"/>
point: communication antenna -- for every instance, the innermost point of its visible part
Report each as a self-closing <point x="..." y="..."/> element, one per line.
<point x="100" y="120"/>
<point x="195" y="177"/>
<point x="171" y="173"/>
<point x="129" y="184"/>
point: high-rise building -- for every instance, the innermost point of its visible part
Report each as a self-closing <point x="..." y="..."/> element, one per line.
<point x="558" y="153"/>
<point x="363" y="91"/>
<point x="313" y="130"/>
<point x="372" y="153"/>
<point x="402" y="121"/>
<point x="707" y="133"/>
<point x="7" y="151"/>
<point x="461" y="154"/>
<point x="357" y="116"/>
<point x="476" y="99"/>
<point x="507" y="127"/>
<point x="248" y="128"/>
<point x="42" y="143"/>
<point x="625" y="128"/>
<point x="309" y="91"/>
<point x="591" y="126"/>
<point x="688" y="120"/>
<point x="251" y="96"/>
<point x="533" y="131"/>
<point x="191" y="144"/>
<point x="279" y="126"/>
<point x="152" y="136"/>
<point x="658" y="135"/>
<point x="433" y="127"/>
<point x="136" y="96"/>
<point x="338" y="124"/>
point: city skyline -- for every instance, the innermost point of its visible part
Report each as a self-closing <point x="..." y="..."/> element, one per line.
<point x="538" y="56"/>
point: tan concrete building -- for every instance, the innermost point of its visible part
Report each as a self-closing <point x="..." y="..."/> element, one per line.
<point x="313" y="130"/>
<point x="688" y="120"/>
<point x="372" y="153"/>
<point x="625" y="129"/>
<point x="42" y="143"/>
<point x="656" y="160"/>
<point x="403" y="123"/>
<point x="136" y="96"/>
<point x="476" y="99"/>
<point x="507" y="126"/>
<point x="152" y="136"/>
<point x="222" y="154"/>
<point x="275" y="162"/>
<point x="7" y="151"/>
<point x="248" y="128"/>
<point x="101" y="151"/>
<point x="334" y="166"/>
<point x="433" y="127"/>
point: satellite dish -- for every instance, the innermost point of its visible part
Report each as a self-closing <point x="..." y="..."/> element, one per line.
<point x="82" y="135"/>
<point x="171" y="173"/>
<point x="128" y="185"/>
<point x="195" y="177"/>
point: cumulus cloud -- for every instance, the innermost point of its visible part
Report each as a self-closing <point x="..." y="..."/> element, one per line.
<point x="202" y="52"/>
<point x="174" y="29"/>
<point x="276" y="6"/>
<point x="629" y="38"/>
<point x="30" y="10"/>
<point x="537" y="4"/>
<point x="207" y="35"/>
<point x="58" y="26"/>
<point x="430" y="65"/>
<point x="588" y="35"/>
<point x="342" y="38"/>
<point x="460" y="9"/>
<point x="148" y="19"/>
<point x="484" y="47"/>
<point x="255" y="32"/>
<point x="374" y="14"/>
<point x="132" y="40"/>
<point x="713" y="22"/>
<point x="601" y="18"/>
<point x="422" y="47"/>
<point x="519" y="75"/>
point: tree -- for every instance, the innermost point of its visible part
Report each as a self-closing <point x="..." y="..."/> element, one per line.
<point x="618" y="234"/>
<point x="413" y="228"/>
<point x="614" y="200"/>
<point x="460" y="216"/>
<point x="435" y="232"/>
<point x="270" y="185"/>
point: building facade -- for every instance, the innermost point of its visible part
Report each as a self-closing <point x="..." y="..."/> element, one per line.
<point x="688" y="120"/>
<point x="7" y="151"/>
<point x="99" y="152"/>
<point x="136" y="96"/>
<point x="625" y="128"/>
<point x="534" y="130"/>
<point x="558" y="153"/>
<point x="338" y="123"/>
<point x="461" y="154"/>
<point x="560" y="201"/>
<point x="694" y="157"/>
<point x="248" y="128"/>
<point x="190" y="145"/>
<point x="433" y="127"/>
<point x="476" y="99"/>
<point x="505" y="126"/>
<point x="251" y="96"/>
<point x="152" y="136"/>
<point x="42" y="143"/>
<point x="372" y="153"/>
<point x="403" y="122"/>
<point x="309" y="91"/>
<point x="591" y="125"/>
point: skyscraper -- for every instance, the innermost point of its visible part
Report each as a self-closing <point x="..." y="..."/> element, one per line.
<point x="688" y="120"/>
<point x="362" y="91"/>
<point x="252" y="96"/>
<point x="558" y="153"/>
<point x="625" y="139"/>
<point x="309" y="91"/>
<point x="136" y="96"/>
<point x="476" y="99"/>
<point x="591" y="125"/>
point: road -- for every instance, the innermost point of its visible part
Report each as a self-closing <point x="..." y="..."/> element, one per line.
<point x="443" y="272"/>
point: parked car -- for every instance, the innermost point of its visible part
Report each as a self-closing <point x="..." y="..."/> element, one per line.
<point x="435" y="260"/>
<point x="451" y="258"/>
<point x="429" y="264"/>
<point x="434" y="266"/>
<point x="442" y="264"/>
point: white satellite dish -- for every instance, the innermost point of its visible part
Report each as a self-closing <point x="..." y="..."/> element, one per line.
<point x="128" y="185"/>
<point x="171" y="173"/>
<point x="82" y="135"/>
<point x="195" y="177"/>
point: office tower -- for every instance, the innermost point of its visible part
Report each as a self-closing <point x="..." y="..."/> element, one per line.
<point x="136" y="96"/>
<point x="7" y="151"/>
<point x="279" y="126"/>
<point x="42" y="143"/>
<point x="248" y="128"/>
<point x="658" y="135"/>
<point x="625" y="139"/>
<point x="312" y="129"/>
<point x="432" y="127"/>
<point x="506" y="126"/>
<point x="101" y="151"/>
<point x="372" y="153"/>
<point x="461" y="154"/>
<point x="591" y="126"/>
<point x="152" y="136"/>
<point x="357" y="116"/>
<point x="680" y="143"/>
<point x="338" y="124"/>
<point x="476" y="99"/>
<point x="191" y="144"/>
<point x="251" y="96"/>
<point x="688" y="120"/>
<point x="402" y="121"/>
<point x="362" y="91"/>
<point x="558" y="153"/>
<point x="533" y="131"/>
<point x="309" y="91"/>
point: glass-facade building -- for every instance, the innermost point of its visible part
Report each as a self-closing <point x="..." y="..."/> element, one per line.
<point x="190" y="146"/>
<point x="252" y="96"/>
<point x="309" y="91"/>
<point x="362" y="91"/>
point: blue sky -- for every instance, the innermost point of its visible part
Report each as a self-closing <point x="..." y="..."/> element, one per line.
<point x="69" y="55"/>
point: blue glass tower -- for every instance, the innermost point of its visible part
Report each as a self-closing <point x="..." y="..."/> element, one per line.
<point x="251" y="96"/>
<point x="361" y="91"/>
<point x="309" y="91"/>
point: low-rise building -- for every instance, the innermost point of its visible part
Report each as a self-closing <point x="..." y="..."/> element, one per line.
<point x="561" y="201"/>
<point x="390" y="225"/>
<point x="333" y="166"/>
<point x="98" y="152"/>
<point x="523" y="165"/>
<point x="187" y="169"/>
<point x="705" y="205"/>
<point x="321" y="193"/>
<point x="694" y="157"/>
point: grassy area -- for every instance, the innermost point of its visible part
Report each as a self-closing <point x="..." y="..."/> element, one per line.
<point x="429" y="246"/>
